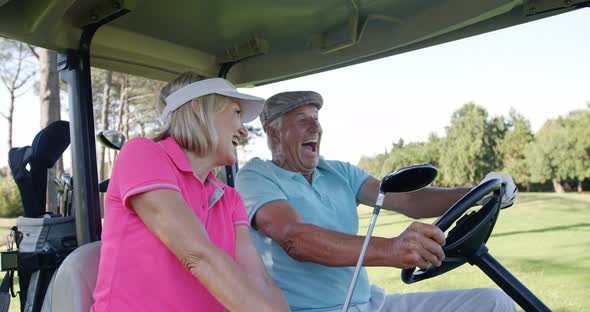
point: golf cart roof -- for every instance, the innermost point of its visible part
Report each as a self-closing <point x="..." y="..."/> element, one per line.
<point x="267" y="40"/>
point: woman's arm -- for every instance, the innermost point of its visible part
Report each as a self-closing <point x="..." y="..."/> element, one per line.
<point x="168" y="216"/>
<point x="249" y="260"/>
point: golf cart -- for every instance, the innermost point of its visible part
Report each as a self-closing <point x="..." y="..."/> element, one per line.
<point x="250" y="43"/>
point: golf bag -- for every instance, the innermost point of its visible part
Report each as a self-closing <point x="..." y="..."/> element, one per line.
<point x="42" y="240"/>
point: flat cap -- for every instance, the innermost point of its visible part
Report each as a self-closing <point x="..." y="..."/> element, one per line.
<point x="284" y="102"/>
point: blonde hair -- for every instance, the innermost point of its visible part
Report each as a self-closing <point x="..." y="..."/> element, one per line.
<point x="191" y="127"/>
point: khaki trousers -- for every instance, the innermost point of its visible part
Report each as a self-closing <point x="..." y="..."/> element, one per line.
<point x="457" y="300"/>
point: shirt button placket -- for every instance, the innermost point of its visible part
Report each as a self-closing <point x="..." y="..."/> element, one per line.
<point x="205" y="206"/>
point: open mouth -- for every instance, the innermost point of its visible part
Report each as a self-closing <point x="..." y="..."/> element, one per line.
<point x="311" y="146"/>
<point x="235" y="141"/>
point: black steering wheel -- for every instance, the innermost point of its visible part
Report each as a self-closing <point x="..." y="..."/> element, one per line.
<point x="471" y="232"/>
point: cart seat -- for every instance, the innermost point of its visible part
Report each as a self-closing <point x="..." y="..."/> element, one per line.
<point x="73" y="283"/>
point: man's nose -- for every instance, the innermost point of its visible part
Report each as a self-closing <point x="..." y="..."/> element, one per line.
<point x="315" y="126"/>
<point x="243" y="131"/>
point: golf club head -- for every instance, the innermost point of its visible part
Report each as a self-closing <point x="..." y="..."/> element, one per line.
<point x="67" y="180"/>
<point x="59" y="185"/>
<point x="111" y="139"/>
<point x="408" y="179"/>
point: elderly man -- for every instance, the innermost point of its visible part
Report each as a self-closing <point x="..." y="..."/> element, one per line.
<point x="303" y="211"/>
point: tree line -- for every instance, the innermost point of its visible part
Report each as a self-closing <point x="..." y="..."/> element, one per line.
<point x="121" y="102"/>
<point x="24" y="68"/>
<point x="556" y="157"/>
<point x="128" y="104"/>
<point x="124" y="103"/>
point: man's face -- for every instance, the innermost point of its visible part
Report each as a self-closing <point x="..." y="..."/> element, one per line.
<point x="299" y="140"/>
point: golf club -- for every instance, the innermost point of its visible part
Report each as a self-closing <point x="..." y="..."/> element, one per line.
<point x="111" y="139"/>
<point x="68" y="192"/>
<point x="406" y="179"/>
<point x="60" y="187"/>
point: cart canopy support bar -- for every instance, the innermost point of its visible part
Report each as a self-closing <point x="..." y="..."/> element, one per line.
<point x="74" y="66"/>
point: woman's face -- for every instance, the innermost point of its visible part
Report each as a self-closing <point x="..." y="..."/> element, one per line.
<point x="229" y="131"/>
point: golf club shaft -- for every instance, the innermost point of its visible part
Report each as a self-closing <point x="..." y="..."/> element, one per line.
<point x="359" y="263"/>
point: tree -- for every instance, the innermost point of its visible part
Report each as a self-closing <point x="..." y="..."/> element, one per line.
<point x="581" y="133"/>
<point x="577" y="158"/>
<point x="469" y="150"/>
<point x="492" y="157"/>
<point x="433" y="150"/>
<point x="374" y="164"/>
<point x="143" y="115"/>
<point x="50" y="111"/>
<point x="122" y="85"/>
<point x="396" y="158"/>
<point x="545" y="154"/>
<point x="16" y="73"/>
<point x="512" y="147"/>
<point x="407" y="155"/>
<point x="128" y="104"/>
<point x="131" y="108"/>
<point x="104" y="121"/>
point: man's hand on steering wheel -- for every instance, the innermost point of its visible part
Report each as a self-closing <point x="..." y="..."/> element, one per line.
<point x="510" y="187"/>
<point x="420" y="245"/>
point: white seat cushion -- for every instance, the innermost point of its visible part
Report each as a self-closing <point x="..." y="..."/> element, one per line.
<point x="73" y="284"/>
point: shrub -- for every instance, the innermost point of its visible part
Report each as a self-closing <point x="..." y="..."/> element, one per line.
<point x="10" y="201"/>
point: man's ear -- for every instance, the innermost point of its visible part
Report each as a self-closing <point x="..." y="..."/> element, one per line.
<point x="194" y="103"/>
<point x="273" y="134"/>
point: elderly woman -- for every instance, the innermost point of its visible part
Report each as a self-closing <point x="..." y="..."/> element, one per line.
<point x="175" y="238"/>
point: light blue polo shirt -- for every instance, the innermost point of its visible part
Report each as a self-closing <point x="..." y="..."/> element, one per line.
<point x="328" y="202"/>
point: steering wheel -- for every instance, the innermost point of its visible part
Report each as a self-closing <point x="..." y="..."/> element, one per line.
<point x="471" y="232"/>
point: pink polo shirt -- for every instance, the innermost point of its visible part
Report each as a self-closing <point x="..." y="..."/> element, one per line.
<point x="137" y="271"/>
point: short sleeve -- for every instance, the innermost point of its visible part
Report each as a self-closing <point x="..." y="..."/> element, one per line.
<point x="142" y="166"/>
<point x="355" y="176"/>
<point x="239" y="216"/>
<point x="257" y="187"/>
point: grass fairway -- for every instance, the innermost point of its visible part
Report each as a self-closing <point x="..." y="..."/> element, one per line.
<point x="543" y="240"/>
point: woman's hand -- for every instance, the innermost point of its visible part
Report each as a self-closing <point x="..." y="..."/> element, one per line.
<point x="250" y="262"/>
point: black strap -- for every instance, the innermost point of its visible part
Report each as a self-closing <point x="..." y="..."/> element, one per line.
<point x="30" y="262"/>
<point x="10" y="276"/>
<point x="8" y="284"/>
<point x="18" y="236"/>
<point x="5" y="286"/>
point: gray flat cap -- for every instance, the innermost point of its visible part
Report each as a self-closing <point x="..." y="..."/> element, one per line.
<point x="281" y="103"/>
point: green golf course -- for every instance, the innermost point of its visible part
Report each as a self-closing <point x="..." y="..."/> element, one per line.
<point x="544" y="240"/>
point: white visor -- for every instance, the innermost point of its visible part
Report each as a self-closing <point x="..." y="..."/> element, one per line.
<point x="250" y="105"/>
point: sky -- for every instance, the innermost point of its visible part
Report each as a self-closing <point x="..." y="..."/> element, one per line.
<point x="541" y="69"/>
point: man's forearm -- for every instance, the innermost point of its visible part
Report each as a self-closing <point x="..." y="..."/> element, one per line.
<point x="310" y="243"/>
<point x="426" y="203"/>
